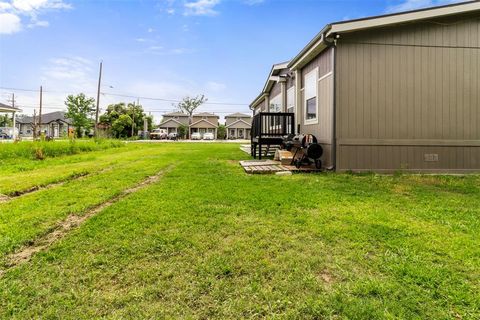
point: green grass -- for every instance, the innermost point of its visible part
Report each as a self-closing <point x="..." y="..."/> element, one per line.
<point x="47" y="149"/>
<point x="208" y="241"/>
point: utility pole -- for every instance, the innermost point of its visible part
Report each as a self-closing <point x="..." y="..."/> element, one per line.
<point x="145" y="127"/>
<point x="133" y="117"/>
<point x="40" y="112"/>
<point x="98" y="100"/>
<point x="14" y="135"/>
<point x="34" y="124"/>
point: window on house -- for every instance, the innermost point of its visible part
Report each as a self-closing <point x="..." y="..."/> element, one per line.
<point x="311" y="108"/>
<point x="276" y="106"/>
<point x="310" y="93"/>
<point x="291" y="100"/>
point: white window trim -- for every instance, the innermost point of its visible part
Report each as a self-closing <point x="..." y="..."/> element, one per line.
<point x="315" y="120"/>
<point x="292" y="92"/>
<point x="279" y="96"/>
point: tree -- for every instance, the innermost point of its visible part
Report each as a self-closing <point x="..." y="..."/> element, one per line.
<point x="182" y="131"/>
<point x="81" y="110"/>
<point x="120" y="125"/>
<point x="125" y="128"/>
<point x="221" y="132"/>
<point x="5" y="121"/>
<point x="189" y="105"/>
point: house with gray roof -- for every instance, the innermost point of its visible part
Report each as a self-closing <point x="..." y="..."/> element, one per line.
<point x="172" y="121"/>
<point x="238" y="125"/>
<point x="204" y="122"/>
<point x="54" y="124"/>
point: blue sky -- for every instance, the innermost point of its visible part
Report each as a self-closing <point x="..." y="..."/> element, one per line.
<point x="161" y="48"/>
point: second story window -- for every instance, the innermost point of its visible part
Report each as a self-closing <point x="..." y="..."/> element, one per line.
<point x="291" y="100"/>
<point x="310" y="100"/>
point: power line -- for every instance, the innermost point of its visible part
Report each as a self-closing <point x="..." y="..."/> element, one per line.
<point x="52" y="107"/>
<point x="130" y="96"/>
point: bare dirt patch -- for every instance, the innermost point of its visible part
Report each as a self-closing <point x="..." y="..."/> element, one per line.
<point x="71" y="222"/>
<point x="4" y="198"/>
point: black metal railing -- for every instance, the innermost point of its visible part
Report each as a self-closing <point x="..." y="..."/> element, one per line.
<point x="272" y="125"/>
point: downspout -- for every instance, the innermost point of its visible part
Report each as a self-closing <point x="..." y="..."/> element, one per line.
<point x="333" y="44"/>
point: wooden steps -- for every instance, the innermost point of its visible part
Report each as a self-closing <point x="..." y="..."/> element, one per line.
<point x="272" y="167"/>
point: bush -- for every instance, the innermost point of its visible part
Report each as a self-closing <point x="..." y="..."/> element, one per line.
<point x="48" y="149"/>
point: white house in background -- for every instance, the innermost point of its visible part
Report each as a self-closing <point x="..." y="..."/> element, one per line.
<point x="238" y="126"/>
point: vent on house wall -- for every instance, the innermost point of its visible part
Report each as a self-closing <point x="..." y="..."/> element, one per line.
<point x="430" y="157"/>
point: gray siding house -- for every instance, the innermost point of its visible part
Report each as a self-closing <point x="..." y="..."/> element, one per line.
<point x="238" y="126"/>
<point x="203" y="123"/>
<point x="171" y="121"/>
<point x="392" y="92"/>
<point x="54" y="124"/>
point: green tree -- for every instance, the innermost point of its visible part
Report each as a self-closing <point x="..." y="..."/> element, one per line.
<point x="128" y="129"/>
<point x="120" y="126"/>
<point x="221" y="132"/>
<point x="80" y="109"/>
<point x="182" y="131"/>
<point x="5" y="121"/>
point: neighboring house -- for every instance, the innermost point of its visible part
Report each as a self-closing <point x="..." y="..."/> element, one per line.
<point x="53" y="124"/>
<point x="171" y="121"/>
<point x="10" y="109"/>
<point x="392" y="92"/>
<point x="238" y="126"/>
<point x="278" y="94"/>
<point x="203" y="123"/>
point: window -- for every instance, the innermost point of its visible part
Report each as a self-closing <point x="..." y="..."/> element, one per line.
<point x="291" y="100"/>
<point x="311" y="108"/>
<point x="276" y="106"/>
<point x="310" y="93"/>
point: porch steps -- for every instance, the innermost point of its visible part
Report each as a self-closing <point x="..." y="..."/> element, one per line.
<point x="273" y="167"/>
<point x="284" y="156"/>
<point x="270" y="152"/>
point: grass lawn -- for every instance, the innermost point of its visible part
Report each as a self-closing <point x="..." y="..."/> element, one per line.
<point x="208" y="241"/>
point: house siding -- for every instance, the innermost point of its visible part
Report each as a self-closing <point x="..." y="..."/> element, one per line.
<point x="323" y="129"/>
<point x="230" y="120"/>
<point x="407" y="92"/>
<point x="276" y="90"/>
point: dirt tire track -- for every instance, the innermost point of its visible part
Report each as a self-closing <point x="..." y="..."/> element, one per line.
<point x="73" y="221"/>
<point x="74" y="177"/>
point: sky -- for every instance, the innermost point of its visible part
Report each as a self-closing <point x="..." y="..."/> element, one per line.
<point x="160" y="50"/>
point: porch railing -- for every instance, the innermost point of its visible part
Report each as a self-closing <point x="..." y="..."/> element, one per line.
<point x="272" y="125"/>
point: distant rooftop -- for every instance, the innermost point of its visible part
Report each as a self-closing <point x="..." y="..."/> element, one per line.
<point x="238" y="115"/>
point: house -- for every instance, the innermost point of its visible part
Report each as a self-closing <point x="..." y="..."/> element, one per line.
<point x="238" y="126"/>
<point x="386" y="93"/>
<point x="278" y="94"/>
<point x="10" y="109"/>
<point x="171" y="121"/>
<point x="203" y="123"/>
<point x="53" y="124"/>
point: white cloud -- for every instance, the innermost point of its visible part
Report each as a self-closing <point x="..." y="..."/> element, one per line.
<point x="13" y="12"/>
<point x="31" y="5"/>
<point x="215" y="86"/>
<point x="39" y="23"/>
<point x="9" y="23"/>
<point x="201" y="8"/>
<point x="408" y="5"/>
<point x="171" y="11"/>
<point x="77" y="70"/>
<point x="4" y="6"/>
